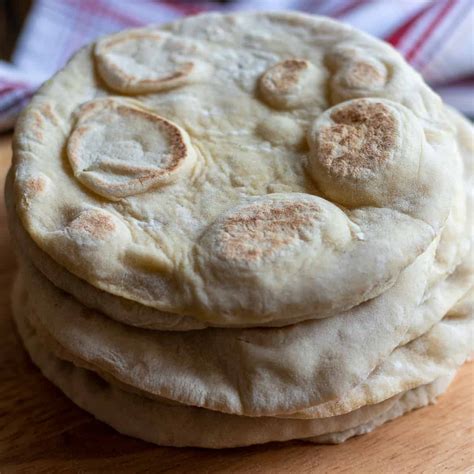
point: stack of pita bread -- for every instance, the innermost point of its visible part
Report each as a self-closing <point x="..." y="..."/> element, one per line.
<point x="236" y="229"/>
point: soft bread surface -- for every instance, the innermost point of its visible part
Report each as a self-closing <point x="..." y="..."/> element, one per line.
<point x="422" y="295"/>
<point x="261" y="372"/>
<point x="455" y="239"/>
<point x="200" y="168"/>
<point x="163" y="424"/>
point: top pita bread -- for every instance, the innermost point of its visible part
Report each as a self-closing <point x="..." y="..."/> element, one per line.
<point x="233" y="168"/>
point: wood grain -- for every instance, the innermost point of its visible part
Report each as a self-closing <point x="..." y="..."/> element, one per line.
<point x="41" y="431"/>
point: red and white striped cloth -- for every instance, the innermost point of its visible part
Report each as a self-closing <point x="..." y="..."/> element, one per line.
<point x="436" y="37"/>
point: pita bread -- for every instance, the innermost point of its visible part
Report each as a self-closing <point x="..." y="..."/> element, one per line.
<point x="257" y="371"/>
<point x="188" y="426"/>
<point x="453" y="246"/>
<point x="262" y="224"/>
<point x="410" y="400"/>
<point x="419" y="362"/>
<point x="195" y="196"/>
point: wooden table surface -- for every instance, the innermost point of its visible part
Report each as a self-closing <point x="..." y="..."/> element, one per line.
<point x="42" y="431"/>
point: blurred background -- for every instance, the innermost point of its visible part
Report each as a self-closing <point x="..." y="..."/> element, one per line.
<point x="38" y="36"/>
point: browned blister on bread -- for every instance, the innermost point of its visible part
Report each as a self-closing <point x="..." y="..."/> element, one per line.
<point x="118" y="150"/>
<point x="124" y="61"/>
<point x="361" y="140"/>
<point x="290" y="83"/>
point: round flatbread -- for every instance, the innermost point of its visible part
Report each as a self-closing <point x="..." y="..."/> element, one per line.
<point x="244" y="178"/>
<point x="256" y="372"/>
<point x="410" y="400"/>
<point x="452" y="248"/>
<point x="189" y="426"/>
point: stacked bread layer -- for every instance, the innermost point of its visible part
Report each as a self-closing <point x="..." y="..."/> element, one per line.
<point x="230" y="256"/>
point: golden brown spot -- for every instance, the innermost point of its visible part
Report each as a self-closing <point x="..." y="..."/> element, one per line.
<point x="34" y="186"/>
<point x="130" y="82"/>
<point x="48" y="112"/>
<point x="75" y="143"/>
<point x="89" y="107"/>
<point x="362" y="138"/>
<point x="135" y="176"/>
<point x="361" y="74"/>
<point x="258" y="231"/>
<point x="94" y="223"/>
<point x="177" y="148"/>
<point x="289" y="83"/>
<point x="283" y="76"/>
<point x="38" y="123"/>
<point x="38" y="119"/>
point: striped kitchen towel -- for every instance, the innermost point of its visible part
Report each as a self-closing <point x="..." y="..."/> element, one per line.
<point x="436" y="37"/>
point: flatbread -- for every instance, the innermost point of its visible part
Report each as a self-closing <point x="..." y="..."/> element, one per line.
<point x="452" y="248"/>
<point x="411" y="400"/>
<point x="210" y="189"/>
<point x="426" y="358"/>
<point x="188" y="426"/>
<point x="255" y="372"/>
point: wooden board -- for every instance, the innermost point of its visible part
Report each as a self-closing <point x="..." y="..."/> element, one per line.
<point x="42" y="431"/>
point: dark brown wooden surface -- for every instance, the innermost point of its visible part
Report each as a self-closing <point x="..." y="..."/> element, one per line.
<point x="41" y="431"/>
